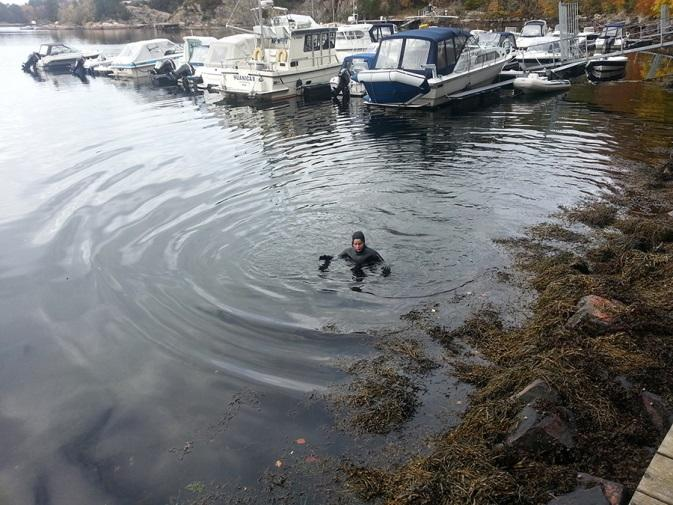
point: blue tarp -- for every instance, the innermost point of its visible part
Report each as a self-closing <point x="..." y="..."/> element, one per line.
<point x="434" y="34"/>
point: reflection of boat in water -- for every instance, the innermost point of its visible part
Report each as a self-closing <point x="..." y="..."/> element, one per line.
<point x="607" y="69"/>
<point x="535" y="83"/>
<point x="138" y="58"/>
<point x="423" y="68"/>
<point x="354" y="64"/>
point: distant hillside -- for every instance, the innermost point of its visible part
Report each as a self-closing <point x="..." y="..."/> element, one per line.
<point x="195" y="12"/>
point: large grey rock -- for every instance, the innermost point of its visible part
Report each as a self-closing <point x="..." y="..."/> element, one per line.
<point x="592" y="496"/>
<point x="596" y="314"/>
<point x="538" y="431"/>
<point x="536" y="390"/>
<point x="613" y="491"/>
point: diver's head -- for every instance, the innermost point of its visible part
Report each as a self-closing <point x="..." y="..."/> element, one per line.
<point x="358" y="241"/>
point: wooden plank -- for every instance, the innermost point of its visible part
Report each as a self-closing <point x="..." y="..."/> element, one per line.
<point x="642" y="499"/>
<point x="658" y="479"/>
<point x="666" y="447"/>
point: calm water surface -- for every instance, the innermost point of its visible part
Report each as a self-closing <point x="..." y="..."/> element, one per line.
<point x="161" y="311"/>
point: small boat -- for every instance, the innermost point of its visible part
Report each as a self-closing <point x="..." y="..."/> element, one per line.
<point x="609" y="68"/>
<point x="225" y="53"/>
<point x="138" y="58"/>
<point x="533" y="33"/>
<point x="534" y="83"/>
<point x="353" y="65"/>
<point x="425" y="67"/>
<point x="612" y="38"/>
<point x="59" y="57"/>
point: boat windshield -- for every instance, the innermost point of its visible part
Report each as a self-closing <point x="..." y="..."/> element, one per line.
<point x="359" y="64"/>
<point x="128" y="50"/>
<point x="489" y="39"/>
<point x="416" y="54"/>
<point x="389" y="53"/>
<point x="611" y="31"/>
<point x="198" y="54"/>
<point x="532" y="30"/>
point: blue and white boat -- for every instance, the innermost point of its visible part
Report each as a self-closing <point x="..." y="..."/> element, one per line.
<point x="354" y="64"/>
<point x="138" y="58"/>
<point x="423" y="68"/>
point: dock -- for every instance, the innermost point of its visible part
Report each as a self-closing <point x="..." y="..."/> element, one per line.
<point x="656" y="486"/>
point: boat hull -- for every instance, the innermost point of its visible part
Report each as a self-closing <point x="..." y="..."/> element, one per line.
<point x="607" y="69"/>
<point x="531" y="86"/>
<point x="266" y="85"/>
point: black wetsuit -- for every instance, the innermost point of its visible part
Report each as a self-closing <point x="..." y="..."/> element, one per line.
<point x="368" y="256"/>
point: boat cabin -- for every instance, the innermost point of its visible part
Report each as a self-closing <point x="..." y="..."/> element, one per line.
<point x="506" y="40"/>
<point x="54" y="49"/>
<point x="146" y="51"/>
<point x="612" y="37"/>
<point x="534" y="28"/>
<point x="426" y="52"/>
<point x="195" y="49"/>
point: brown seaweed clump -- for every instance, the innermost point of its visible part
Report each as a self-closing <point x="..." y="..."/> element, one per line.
<point x="597" y="375"/>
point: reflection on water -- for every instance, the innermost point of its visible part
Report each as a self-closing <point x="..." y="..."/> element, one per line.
<point x="160" y="297"/>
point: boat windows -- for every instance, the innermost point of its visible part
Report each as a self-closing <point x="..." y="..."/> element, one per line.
<point x="60" y="49"/>
<point x="612" y="31"/>
<point x="389" y="53"/>
<point x="416" y="54"/>
<point x="318" y="41"/>
<point x="532" y="30"/>
<point x="446" y="56"/>
<point x="44" y="50"/>
<point x="378" y="32"/>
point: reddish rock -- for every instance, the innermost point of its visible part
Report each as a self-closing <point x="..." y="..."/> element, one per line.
<point x="613" y="491"/>
<point x="596" y="314"/>
<point x="656" y="409"/>
<point x="536" y="390"/>
<point x="592" y="496"/>
<point x="538" y="431"/>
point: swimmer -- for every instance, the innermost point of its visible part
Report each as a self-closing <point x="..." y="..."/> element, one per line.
<point x="359" y="255"/>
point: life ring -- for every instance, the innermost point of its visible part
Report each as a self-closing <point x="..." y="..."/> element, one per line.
<point x="281" y="57"/>
<point x="257" y="54"/>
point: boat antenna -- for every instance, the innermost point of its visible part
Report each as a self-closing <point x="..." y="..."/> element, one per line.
<point x="232" y="13"/>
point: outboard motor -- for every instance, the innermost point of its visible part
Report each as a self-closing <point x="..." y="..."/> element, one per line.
<point x="163" y="67"/>
<point x="344" y="81"/>
<point x="30" y="65"/>
<point x="78" y="69"/>
<point x="163" y="73"/>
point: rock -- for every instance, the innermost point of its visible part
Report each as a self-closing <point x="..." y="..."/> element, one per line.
<point x="613" y="491"/>
<point x="538" y="431"/>
<point x="592" y="496"/>
<point x="656" y="409"/>
<point x="536" y="390"/>
<point x="596" y="314"/>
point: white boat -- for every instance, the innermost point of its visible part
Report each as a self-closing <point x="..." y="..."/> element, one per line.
<point x="534" y="83"/>
<point x="423" y="68"/>
<point x="360" y="37"/>
<point x="55" y="57"/>
<point x="172" y="72"/>
<point x="612" y="38"/>
<point x="138" y="58"/>
<point x="607" y="68"/>
<point x="548" y="52"/>
<point x="294" y="54"/>
<point x="226" y="53"/>
<point x="533" y="33"/>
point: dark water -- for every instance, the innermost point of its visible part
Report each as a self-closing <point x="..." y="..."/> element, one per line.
<point x="161" y="311"/>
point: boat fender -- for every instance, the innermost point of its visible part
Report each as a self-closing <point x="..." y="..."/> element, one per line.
<point x="281" y="57"/>
<point x="257" y="54"/>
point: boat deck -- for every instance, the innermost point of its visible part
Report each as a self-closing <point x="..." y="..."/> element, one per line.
<point x="656" y="486"/>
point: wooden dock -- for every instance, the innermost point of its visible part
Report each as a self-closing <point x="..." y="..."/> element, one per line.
<point x="656" y="486"/>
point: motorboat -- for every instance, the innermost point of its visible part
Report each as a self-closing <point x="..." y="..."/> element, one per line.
<point x="294" y="56"/>
<point x="540" y="55"/>
<point x="506" y="40"/>
<point x="171" y="72"/>
<point x="607" y="68"/>
<point x="533" y="33"/>
<point x="612" y="38"/>
<point x="137" y="59"/>
<point x="423" y="68"/>
<point x="360" y="37"/>
<point x="534" y="83"/>
<point x="59" y="57"/>
<point x="353" y="65"/>
<point x="226" y="53"/>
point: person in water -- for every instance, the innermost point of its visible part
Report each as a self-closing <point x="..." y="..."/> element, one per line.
<point x="359" y="255"/>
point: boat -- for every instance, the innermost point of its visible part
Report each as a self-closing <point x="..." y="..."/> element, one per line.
<point x="612" y="38"/>
<point x="172" y="72"/>
<point x="59" y="57"/>
<point x="534" y="83"/>
<point x="225" y="53"/>
<point x="423" y="68"/>
<point x="137" y="59"/>
<point x="294" y="56"/>
<point x="540" y="55"/>
<point x="506" y="40"/>
<point x="360" y="37"/>
<point x="534" y="33"/>
<point x="608" y="68"/>
<point x="353" y="64"/>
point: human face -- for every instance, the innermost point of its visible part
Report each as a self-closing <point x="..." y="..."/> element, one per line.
<point x="358" y="245"/>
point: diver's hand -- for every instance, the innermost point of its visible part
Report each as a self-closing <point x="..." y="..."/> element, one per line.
<point x="325" y="257"/>
<point x="385" y="271"/>
<point x="327" y="260"/>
